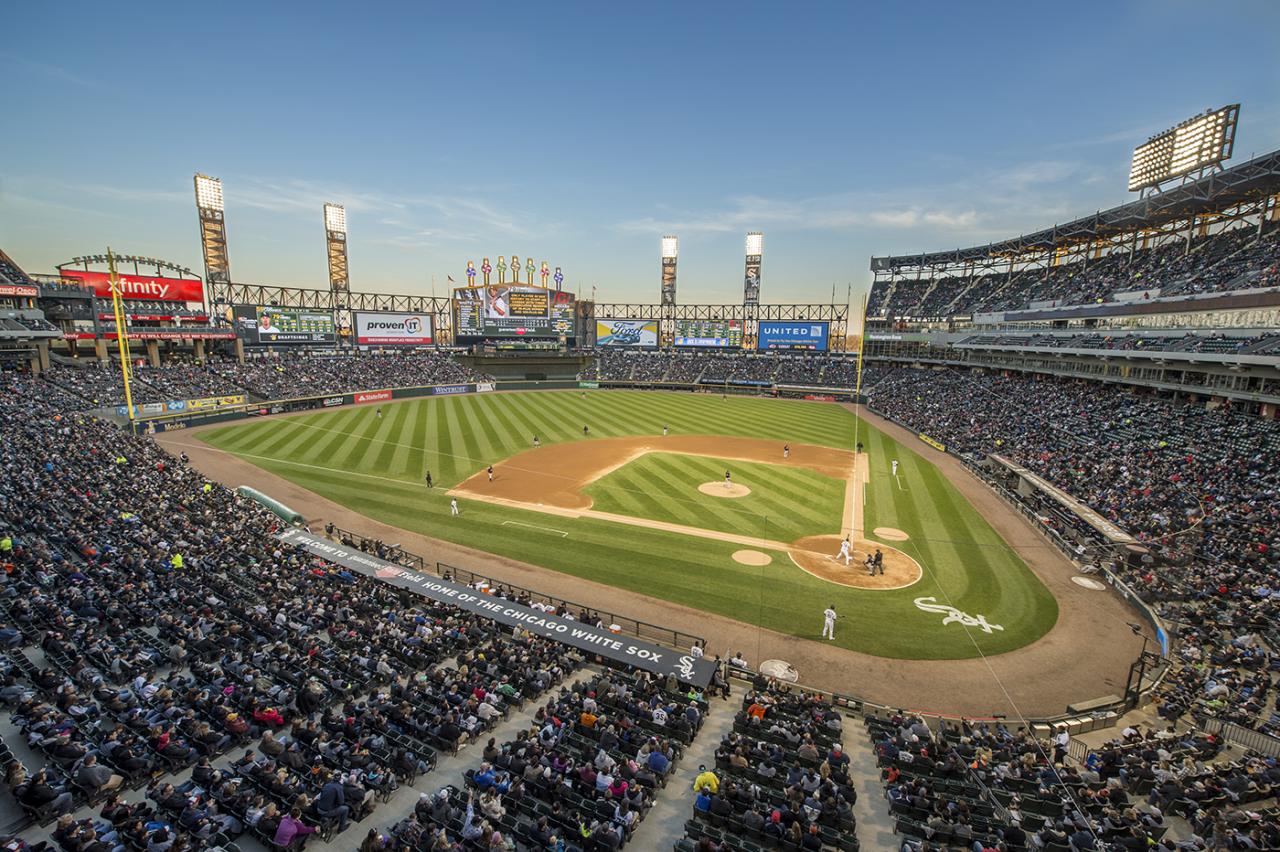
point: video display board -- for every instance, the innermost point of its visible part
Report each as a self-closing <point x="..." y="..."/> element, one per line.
<point x="265" y="326"/>
<point x="637" y="334"/>
<point x="393" y="329"/>
<point x="507" y="311"/>
<point x="721" y="334"/>
<point x="795" y="334"/>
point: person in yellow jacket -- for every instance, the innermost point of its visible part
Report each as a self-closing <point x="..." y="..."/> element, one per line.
<point x="706" y="780"/>
<point x="6" y="543"/>
<point x="176" y="561"/>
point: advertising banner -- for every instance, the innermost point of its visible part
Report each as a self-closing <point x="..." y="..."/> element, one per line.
<point x="514" y="311"/>
<point x="206" y="403"/>
<point x="484" y="387"/>
<point x="19" y="290"/>
<point x="334" y="401"/>
<point x="373" y="396"/>
<point x="639" y="334"/>
<point x="140" y="286"/>
<point x="668" y="281"/>
<point x="937" y="445"/>
<point x="594" y="640"/>
<point x="751" y="281"/>
<point x="393" y="330"/>
<point x="796" y="334"/>
<point x="449" y="390"/>
<point x="258" y="325"/>
<point x="721" y="334"/>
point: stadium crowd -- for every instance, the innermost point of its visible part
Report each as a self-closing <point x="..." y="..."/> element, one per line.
<point x="173" y="633"/>
<point x="1236" y="259"/>
<point x="268" y="378"/>
<point x="1197" y="486"/>
<point x="714" y="368"/>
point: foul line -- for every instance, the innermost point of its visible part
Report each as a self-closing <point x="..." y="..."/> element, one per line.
<point x="561" y="533"/>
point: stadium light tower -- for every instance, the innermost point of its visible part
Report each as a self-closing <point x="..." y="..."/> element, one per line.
<point x="1188" y="150"/>
<point x="213" y="235"/>
<point x="335" y="229"/>
<point x="751" y="281"/>
<point x="670" y="251"/>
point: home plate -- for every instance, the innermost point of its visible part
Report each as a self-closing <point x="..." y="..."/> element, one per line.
<point x="1089" y="583"/>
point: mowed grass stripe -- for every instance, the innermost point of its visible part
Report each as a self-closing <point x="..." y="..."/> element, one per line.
<point x="390" y="457"/>
<point x="461" y="433"/>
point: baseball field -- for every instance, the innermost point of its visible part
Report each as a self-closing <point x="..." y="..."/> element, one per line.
<point x="627" y="505"/>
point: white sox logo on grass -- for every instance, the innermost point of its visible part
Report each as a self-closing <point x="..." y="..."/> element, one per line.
<point x="587" y="637"/>
<point x="953" y="615"/>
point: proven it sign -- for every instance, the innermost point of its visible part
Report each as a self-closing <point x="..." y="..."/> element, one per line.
<point x="393" y="330"/>
<point x="585" y="637"/>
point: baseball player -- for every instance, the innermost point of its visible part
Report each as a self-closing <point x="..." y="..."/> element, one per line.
<point x="379" y="412"/>
<point x="728" y="480"/>
<point x="786" y="451"/>
<point x="491" y="473"/>
<point x="664" y="430"/>
<point x="536" y="442"/>
<point x="585" y="431"/>
<point x="895" y="467"/>
<point x="453" y="507"/>
<point x="845" y="553"/>
<point x="430" y="484"/>
<point x="829" y="622"/>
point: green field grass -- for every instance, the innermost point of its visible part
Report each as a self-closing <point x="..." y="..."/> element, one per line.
<point x="375" y="466"/>
<point x="785" y="503"/>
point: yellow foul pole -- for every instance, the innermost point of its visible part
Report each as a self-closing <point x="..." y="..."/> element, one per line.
<point x="862" y="347"/>
<point x="122" y="335"/>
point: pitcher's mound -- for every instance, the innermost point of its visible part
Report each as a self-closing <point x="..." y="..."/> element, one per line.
<point x="890" y="534"/>
<point x="719" y="489"/>
<point x="751" y="557"/>
<point x="816" y="555"/>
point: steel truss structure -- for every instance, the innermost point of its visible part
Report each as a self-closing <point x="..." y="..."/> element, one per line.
<point x="341" y="304"/>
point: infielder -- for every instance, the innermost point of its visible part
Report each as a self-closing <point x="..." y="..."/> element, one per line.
<point x="491" y="473"/>
<point x="845" y="553"/>
<point x="536" y="442"/>
<point x="453" y="507"/>
<point x="829" y="622"/>
<point x="664" y="430"/>
<point x="430" y="484"/>
<point x="786" y="451"/>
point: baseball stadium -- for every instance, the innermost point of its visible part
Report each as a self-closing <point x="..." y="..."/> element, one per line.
<point x="978" y="555"/>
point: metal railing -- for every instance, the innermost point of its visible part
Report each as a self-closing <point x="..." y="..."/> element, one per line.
<point x="1247" y="738"/>
<point x="667" y="636"/>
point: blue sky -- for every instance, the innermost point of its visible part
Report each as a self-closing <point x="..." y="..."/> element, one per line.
<point x="581" y="133"/>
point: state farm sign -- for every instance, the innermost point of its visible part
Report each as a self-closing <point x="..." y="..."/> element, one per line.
<point x="373" y="396"/>
<point x="393" y="329"/>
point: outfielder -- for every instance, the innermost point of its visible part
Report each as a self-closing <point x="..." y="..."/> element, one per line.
<point x="845" y="553"/>
<point x="453" y="507"/>
<point x="430" y="484"/>
<point x="895" y="467"/>
<point x="829" y="622"/>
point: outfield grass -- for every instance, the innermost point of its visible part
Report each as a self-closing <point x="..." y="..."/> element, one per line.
<point x="785" y="503"/>
<point x="375" y="466"/>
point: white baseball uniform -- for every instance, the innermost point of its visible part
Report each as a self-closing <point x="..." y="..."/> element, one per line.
<point x="829" y="623"/>
<point x="845" y="553"/>
<point x="895" y="467"/>
<point x="453" y="506"/>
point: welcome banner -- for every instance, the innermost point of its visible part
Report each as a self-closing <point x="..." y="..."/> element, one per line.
<point x="594" y="640"/>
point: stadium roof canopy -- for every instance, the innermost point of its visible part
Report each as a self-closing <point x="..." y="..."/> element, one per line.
<point x="1257" y="178"/>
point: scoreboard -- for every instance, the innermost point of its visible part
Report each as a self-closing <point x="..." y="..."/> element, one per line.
<point x="721" y="334"/>
<point x="258" y="325"/>
<point x="512" y="312"/>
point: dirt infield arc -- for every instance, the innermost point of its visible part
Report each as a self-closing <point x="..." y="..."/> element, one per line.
<point x="554" y="476"/>
<point x="550" y="479"/>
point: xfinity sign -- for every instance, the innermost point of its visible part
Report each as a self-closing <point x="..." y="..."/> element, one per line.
<point x="393" y="329"/>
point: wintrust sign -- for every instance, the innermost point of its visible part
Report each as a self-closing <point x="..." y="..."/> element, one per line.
<point x="140" y="286"/>
<point x="393" y="330"/>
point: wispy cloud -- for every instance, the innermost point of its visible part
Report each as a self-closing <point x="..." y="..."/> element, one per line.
<point x="50" y="71"/>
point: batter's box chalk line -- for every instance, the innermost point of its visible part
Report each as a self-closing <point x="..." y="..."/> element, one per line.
<point x="560" y="533"/>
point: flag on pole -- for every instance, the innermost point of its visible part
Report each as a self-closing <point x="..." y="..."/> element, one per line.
<point x="450" y="277"/>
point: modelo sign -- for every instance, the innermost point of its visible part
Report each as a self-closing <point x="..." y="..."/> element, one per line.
<point x="393" y="330"/>
<point x="140" y="286"/>
<point x="795" y="334"/>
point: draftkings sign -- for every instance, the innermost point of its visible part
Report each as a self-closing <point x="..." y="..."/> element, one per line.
<point x="594" y="640"/>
